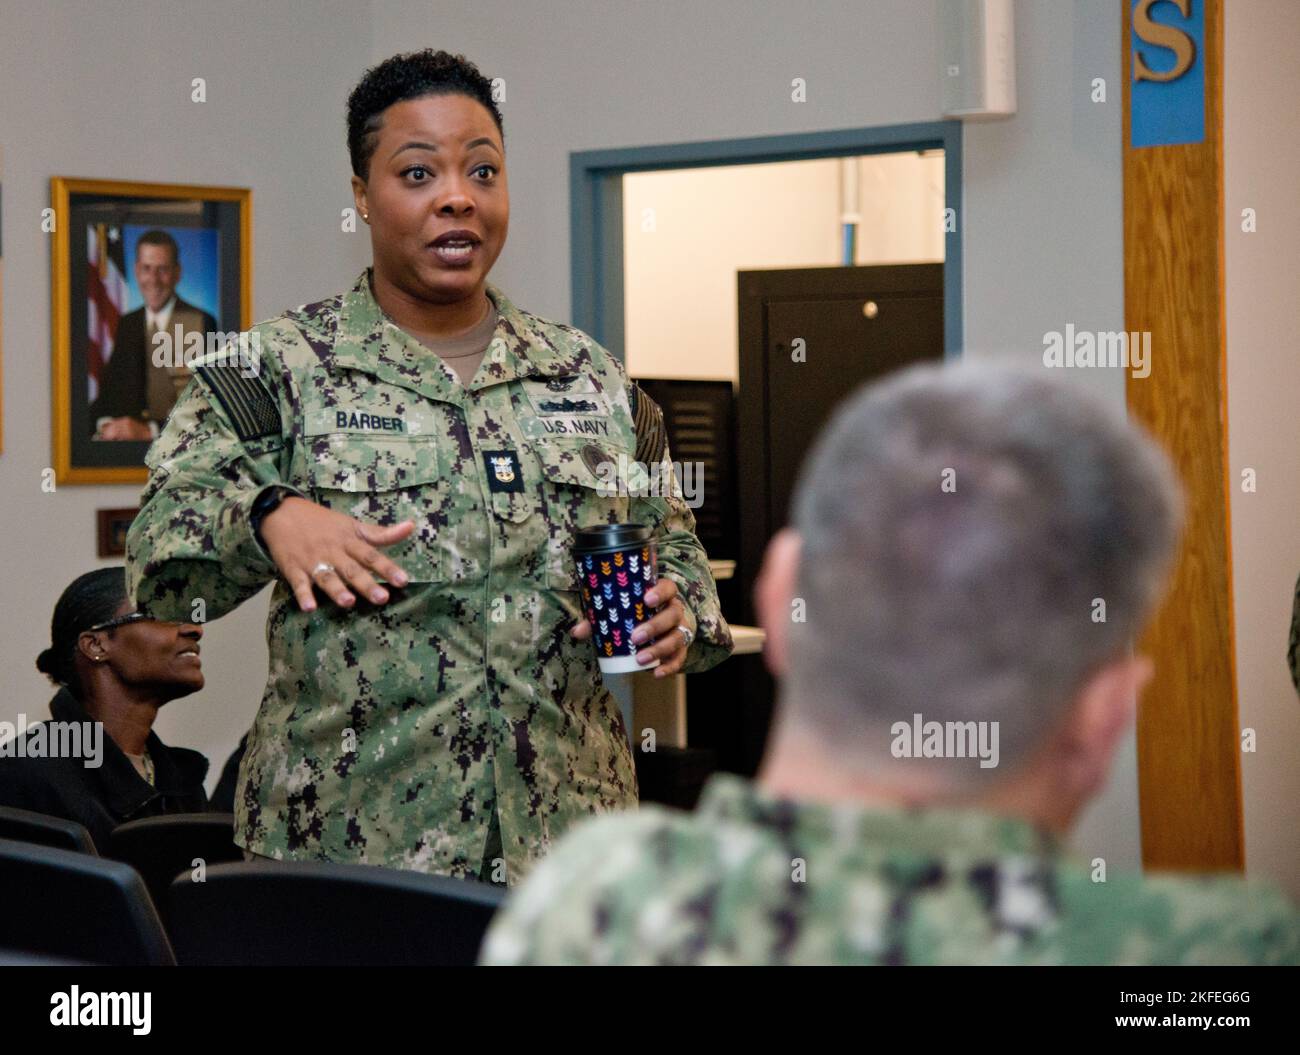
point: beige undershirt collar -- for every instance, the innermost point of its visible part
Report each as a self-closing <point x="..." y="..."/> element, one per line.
<point x="464" y="352"/>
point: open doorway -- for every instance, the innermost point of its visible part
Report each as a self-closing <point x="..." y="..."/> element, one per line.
<point x="690" y="262"/>
<point x="688" y="232"/>
<point x="597" y="214"/>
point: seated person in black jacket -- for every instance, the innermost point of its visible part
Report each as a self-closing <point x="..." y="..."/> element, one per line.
<point x="223" y="795"/>
<point x="115" y="667"/>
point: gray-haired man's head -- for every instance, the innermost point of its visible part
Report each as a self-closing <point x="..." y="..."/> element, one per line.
<point x="976" y="542"/>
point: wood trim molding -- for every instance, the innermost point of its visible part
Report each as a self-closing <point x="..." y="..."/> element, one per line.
<point x="1189" y="758"/>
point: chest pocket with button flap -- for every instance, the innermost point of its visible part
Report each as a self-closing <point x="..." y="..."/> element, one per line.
<point x="384" y="480"/>
<point x="517" y="542"/>
<point x="585" y="484"/>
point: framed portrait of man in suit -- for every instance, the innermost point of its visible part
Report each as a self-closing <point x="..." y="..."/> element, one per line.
<point x="147" y="277"/>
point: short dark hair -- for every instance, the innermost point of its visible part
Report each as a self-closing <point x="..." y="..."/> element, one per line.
<point x="410" y="76"/>
<point x="90" y="599"/>
<point x="157" y="237"/>
<point x="959" y="525"/>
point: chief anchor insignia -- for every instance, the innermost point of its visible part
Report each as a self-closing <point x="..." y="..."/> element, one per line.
<point x="504" y="472"/>
<point x="503" y="469"/>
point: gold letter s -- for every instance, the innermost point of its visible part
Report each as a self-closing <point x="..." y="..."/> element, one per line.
<point x="1171" y="37"/>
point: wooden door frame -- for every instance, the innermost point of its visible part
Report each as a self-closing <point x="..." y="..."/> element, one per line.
<point x="1189" y="758"/>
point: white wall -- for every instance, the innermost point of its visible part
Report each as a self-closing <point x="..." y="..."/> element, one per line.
<point x="686" y="232"/>
<point x="1043" y="247"/>
<point x="1261" y="158"/>
<point x="1041" y="220"/>
<point x="103" y="90"/>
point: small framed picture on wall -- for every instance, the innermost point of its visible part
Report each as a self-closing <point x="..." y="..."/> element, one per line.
<point x="111" y="529"/>
<point x="147" y="277"/>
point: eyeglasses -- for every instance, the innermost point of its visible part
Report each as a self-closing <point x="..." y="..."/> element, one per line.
<point x="123" y="620"/>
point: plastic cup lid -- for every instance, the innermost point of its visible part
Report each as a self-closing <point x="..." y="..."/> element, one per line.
<point x="611" y="536"/>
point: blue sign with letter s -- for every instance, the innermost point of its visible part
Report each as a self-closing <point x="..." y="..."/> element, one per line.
<point x="1167" y="99"/>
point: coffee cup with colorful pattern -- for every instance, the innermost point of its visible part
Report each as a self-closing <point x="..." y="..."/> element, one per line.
<point x="617" y="565"/>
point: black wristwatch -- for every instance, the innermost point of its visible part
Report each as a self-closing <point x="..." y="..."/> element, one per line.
<point x="267" y="501"/>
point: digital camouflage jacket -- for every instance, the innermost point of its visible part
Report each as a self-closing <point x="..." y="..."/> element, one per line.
<point x="409" y="734"/>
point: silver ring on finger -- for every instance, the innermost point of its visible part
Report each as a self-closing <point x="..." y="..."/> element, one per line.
<point x="323" y="568"/>
<point x="686" y="633"/>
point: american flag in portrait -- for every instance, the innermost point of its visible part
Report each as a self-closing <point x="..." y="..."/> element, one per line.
<point x="106" y="292"/>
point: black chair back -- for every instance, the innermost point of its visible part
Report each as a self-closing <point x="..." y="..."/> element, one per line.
<point x="28" y="827"/>
<point x="73" y="906"/>
<point x="271" y="913"/>
<point x="161" y="848"/>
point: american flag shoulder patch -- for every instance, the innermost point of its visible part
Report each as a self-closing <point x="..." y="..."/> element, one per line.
<point x="651" y="436"/>
<point x="250" y="407"/>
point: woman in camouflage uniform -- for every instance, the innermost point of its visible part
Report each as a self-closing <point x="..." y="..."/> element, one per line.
<point x="408" y="462"/>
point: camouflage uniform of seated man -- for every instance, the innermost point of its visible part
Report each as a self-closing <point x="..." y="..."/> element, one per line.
<point x="949" y="702"/>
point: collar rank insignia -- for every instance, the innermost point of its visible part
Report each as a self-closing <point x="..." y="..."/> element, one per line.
<point x="503" y="471"/>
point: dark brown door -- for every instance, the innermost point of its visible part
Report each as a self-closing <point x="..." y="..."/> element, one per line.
<point x="809" y="337"/>
<point x="856" y="324"/>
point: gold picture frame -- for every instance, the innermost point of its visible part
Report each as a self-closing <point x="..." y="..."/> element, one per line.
<point x="97" y="225"/>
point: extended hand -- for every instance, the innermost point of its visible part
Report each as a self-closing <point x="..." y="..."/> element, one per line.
<point x="315" y="546"/>
<point x="668" y="646"/>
